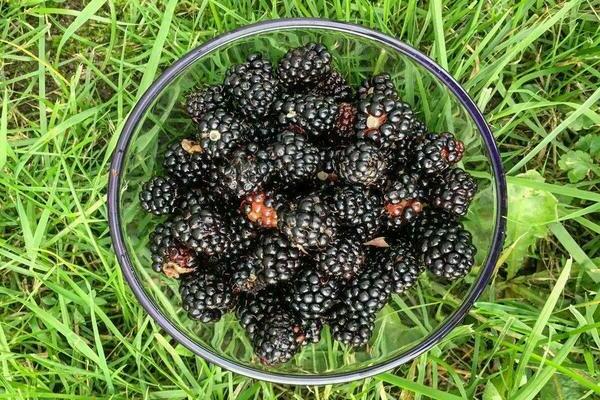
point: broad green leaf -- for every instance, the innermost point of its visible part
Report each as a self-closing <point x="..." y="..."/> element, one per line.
<point x="578" y="165"/>
<point x="530" y="211"/>
<point x="590" y="144"/>
<point x="490" y="392"/>
<point x="561" y="387"/>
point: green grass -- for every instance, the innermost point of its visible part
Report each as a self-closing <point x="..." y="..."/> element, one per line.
<point x="69" y="74"/>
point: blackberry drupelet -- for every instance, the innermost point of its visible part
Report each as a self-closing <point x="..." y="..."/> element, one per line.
<point x="186" y="161"/>
<point x="404" y="199"/>
<point x="308" y="223"/>
<point x="278" y="338"/>
<point x="206" y="295"/>
<point x="378" y="85"/>
<point x="160" y="195"/>
<point x="252" y="86"/>
<point x="204" y="100"/>
<point x="334" y="85"/>
<point x="357" y="207"/>
<point x="311" y="329"/>
<point x="244" y="172"/>
<point x="361" y="163"/>
<point x="453" y="191"/>
<point x="277" y="258"/>
<point x="308" y="114"/>
<point x="383" y="120"/>
<point x="402" y="263"/>
<point x="263" y="131"/>
<point x="342" y="259"/>
<point x="219" y="132"/>
<point x="436" y="153"/>
<point x="313" y="294"/>
<point x="202" y="230"/>
<point x="168" y="255"/>
<point x="294" y="158"/>
<point x="262" y="208"/>
<point x="447" y="250"/>
<point x="304" y="66"/>
<point x="419" y="128"/>
<point x="369" y="291"/>
<point x="350" y="328"/>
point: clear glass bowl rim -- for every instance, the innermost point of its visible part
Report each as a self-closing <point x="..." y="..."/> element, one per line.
<point x="135" y="116"/>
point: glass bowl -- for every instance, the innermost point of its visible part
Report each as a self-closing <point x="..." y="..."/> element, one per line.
<point x="410" y="324"/>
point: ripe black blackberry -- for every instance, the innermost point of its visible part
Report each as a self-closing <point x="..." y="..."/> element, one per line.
<point x="205" y="99"/>
<point x="247" y="275"/>
<point x="334" y="85"/>
<point x="342" y="259"/>
<point x="206" y="295"/>
<point x="242" y="235"/>
<point x="278" y="338"/>
<point x="313" y="294"/>
<point x="277" y="259"/>
<point x="263" y="131"/>
<point x="219" y="132"/>
<point x="430" y="216"/>
<point x="160" y="195"/>
<point x="252" y="309"/>
<point x="198" y="197"/>
<point x="261" y="208"/>
<point x="202" y="230"/>
<point x="351" y="328"/>
<point x="361" y="163"/>
<point x="304" y="66"/>
<point x="168" y="255"/>
<point x="369" y="291"/>
<point x="435" y="153"/>
<point x="453" y="191"/>
<point x="447" y="250"/>
<point x="404" y="199"/>
<point x="315" y="116"/>
<point x="378" y="85"/>
<point x="359" y="208"/>
<point x="401" y="261"/>
<point x="294" y="158"/>
<point x="186" y="161"/>
<point x="252" y="86"/>
<point x="383" y="120"/>
<point x="326" y="169"/>
<point x="308" y="223"/>
<point x="244" y="172"/>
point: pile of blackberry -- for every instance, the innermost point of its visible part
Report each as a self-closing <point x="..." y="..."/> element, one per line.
<point x="299" y="202"/>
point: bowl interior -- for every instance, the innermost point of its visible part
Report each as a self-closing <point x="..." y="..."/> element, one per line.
<point x="407" y="319"/>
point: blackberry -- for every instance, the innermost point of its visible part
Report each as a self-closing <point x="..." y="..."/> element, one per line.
<point x="428" y="218"/>
<point x="160" y="195"/>
<point x="197" y="197"/>
<point x="326" y="169"/>
<point x="369" y="291"/>
<point x="202" y="230"/>
<point x="276" y="258"/>
<point x="206" y="296"/>
<point x="241" y="236"/>
<point x="263" y="131"/>
<point x="252" y="309"/>
<point x="308" y="224"/>
<point x="313" y="294"/>
<point x="335" y="86"/>
<point x="168" y="255"/>
<point x="252" y="86"/>
<point x="436" y="153"/>
<point x="342" y="259"/>
<point x="309" y="114"/>
<point x="419" y="128"/>
<point x="247" y="276"/>
<point x="219" y="132"/>
<point x="378" y="85"/>
<point x="383" y="120"/>
<point x="204" y="100"/>
<point x="361" y="163"/>
<point x="278" y="338"/>
<point x="447" y="250"/>
<point x="295" y="159"/>
<point x="350" y="328"/>
<point x="453" y="191"/>
<point x="261" y="208"/>
<point x="186" y="161"/>
<point x="405" y="269"/>
<point x="304" y="66"/>
<point x="359" y="208"/>
<point x="404" y="199"/>
<point x="243" y="172"/>
<point x="311" y="329"/>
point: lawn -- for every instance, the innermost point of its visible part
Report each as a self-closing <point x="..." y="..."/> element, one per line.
<point x="70" y="71"/>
